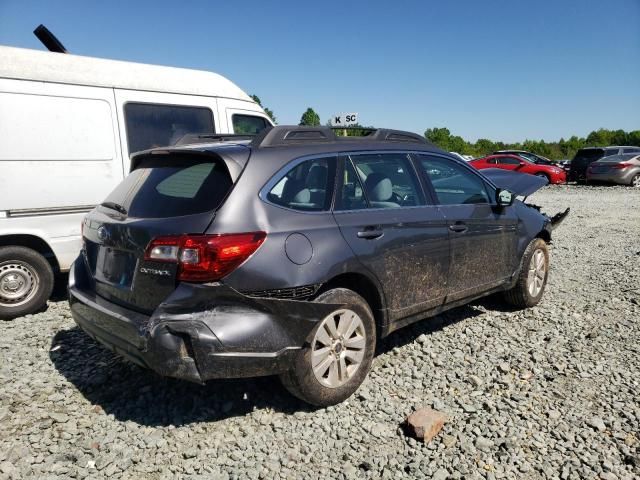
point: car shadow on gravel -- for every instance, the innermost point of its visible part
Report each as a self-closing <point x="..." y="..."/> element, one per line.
<point x="426" y="326"/>
<point x="128" y="392"/>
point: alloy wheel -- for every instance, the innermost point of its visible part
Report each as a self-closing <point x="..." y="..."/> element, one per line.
<point x="338" y="348"/>
<point x="537" y="273"/>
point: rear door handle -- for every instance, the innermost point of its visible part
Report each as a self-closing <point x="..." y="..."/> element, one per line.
<point x="458" y="227"/>
<point x="370" y="233"/>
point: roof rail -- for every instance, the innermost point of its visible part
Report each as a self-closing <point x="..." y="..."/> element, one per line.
<point x="283" y="135"/>
<point x="191" y="138"/>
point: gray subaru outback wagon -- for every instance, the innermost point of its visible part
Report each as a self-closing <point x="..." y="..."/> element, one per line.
<point x="294" y="252"/>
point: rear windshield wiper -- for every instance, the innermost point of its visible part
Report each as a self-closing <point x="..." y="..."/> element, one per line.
<point x="115" y="206"/>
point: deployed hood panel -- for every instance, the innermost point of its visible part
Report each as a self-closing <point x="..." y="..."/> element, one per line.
<point x="522" y="184"/>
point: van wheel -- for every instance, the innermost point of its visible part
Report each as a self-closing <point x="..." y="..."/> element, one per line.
<point x="533" y="275"/>
<point x="26" y="281"/>
<point x="339" y="355"/>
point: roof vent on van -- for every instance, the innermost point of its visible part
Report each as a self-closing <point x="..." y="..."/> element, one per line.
<point x="49" y="40"/>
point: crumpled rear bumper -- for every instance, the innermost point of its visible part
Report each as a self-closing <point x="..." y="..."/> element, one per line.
<point x="199" y="332"/>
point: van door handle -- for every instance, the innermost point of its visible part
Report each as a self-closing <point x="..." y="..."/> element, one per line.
<point x="459" y="227"/>
<point x="370" y="233"/>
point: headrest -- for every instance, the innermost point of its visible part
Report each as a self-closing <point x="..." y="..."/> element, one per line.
<point x="378" y="187"/>
<point x="317" y="177"/>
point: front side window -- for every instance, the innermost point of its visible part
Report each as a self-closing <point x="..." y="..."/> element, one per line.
<point x="453" y="184"/>
<point x="248" y="124"/>
<point x="307" y="186"/>
<point x="153" y="125"/>
<point x="388" y="181"/>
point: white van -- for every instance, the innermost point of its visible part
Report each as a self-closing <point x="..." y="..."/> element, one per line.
<point x="68" y="125"/>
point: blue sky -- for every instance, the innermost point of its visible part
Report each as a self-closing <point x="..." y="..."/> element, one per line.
<point x="504" y="70"/>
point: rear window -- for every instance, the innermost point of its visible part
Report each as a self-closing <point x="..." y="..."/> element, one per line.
<point x="172" y="187"/>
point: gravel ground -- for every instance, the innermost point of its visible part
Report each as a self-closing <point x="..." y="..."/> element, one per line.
<point x="550" y="392"/>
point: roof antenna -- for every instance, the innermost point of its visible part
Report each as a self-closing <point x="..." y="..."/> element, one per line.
<point x="49" y="40"/>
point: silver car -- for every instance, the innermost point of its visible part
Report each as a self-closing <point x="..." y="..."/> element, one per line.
<point x="623" y="169"/>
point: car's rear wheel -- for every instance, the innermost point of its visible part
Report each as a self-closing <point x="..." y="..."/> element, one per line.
<point x="26" y="281"/>
<point x="635" y="181"/>
<point x="533" y="276"/>
<point x="339" y="354"/>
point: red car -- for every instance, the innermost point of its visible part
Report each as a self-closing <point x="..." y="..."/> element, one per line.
<point x="516" y="163"/>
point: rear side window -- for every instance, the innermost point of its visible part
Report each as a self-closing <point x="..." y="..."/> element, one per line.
<point x="152" y="125"/>
<point x="508" y="161"/>
<point x="172" y="187"/>
<point x="307" y="186"/>
<point x="631" y="150"/>
<point x="248" y="124"/>
<point x="453" y="184"/>
<point x="611" y="151"/>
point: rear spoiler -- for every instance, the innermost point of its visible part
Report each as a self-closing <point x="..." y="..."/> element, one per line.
<point x="193" y="138"/>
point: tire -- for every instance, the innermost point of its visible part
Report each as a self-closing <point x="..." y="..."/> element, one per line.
<point x="314" y="387"/>
<point x="523" y="294"/>
<point x="544" y="175"/>
<point x="26" y="281"/>
<point x="635" y="181"/>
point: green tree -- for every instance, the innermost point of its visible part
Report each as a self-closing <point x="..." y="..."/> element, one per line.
<point x="439" y="136"/>
<point x="310" y="118"/>
<point x="268" y="111"/>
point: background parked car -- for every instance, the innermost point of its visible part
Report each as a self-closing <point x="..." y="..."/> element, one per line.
<point x="464" y="158"/>
<point x="586" y="156"/>
<point x="532" y="157"/>
<point x="565" y="164"/>
<point x="622" y="169"/>
<point x="517" y="163"/>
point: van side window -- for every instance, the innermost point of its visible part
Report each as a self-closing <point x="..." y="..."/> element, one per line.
<point x="153" y="125"/>
<point x="248" y="124"/>
<point x="307" y="186"/>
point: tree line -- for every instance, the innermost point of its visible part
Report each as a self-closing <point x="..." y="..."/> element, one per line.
<point x="557" y="150"/>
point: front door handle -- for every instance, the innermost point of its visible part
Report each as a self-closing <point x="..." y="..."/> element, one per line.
<point x="458" y="227"/>
<point x="370" y="233"/>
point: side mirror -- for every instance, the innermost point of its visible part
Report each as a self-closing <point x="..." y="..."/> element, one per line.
<point x="504" y="198"/>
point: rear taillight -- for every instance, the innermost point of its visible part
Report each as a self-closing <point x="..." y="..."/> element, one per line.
<point x="204" y="258"/>
<point x="620" y="166"/>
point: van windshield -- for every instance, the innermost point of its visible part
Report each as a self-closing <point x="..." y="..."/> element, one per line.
<point x="171" y="187"/>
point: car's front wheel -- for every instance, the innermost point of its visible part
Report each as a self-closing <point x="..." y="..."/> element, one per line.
<point x="339" y="354"/>
<point x="533" y="276"/>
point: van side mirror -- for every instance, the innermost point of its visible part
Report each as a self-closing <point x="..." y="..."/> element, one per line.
<point x="504" y="198"/>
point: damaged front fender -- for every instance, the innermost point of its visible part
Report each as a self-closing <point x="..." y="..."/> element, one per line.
<point x="558" y="218"/>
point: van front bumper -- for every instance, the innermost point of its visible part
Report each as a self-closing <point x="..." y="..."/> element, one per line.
<point x="200" y="332"/>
